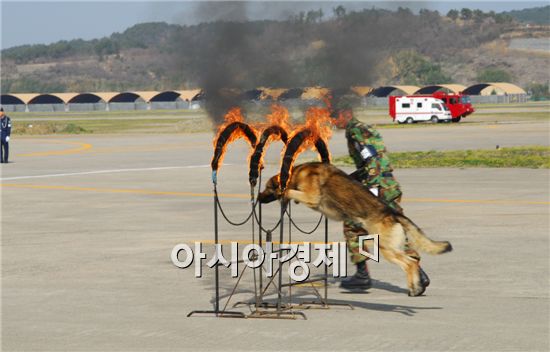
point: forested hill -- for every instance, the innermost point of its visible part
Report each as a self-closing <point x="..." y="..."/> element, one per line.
<point x="363" y="48"/>
<point x="535" y="15"/>
<point x="155" y="35"/>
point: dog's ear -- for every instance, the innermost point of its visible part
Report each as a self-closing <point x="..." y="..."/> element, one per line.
<point x="273" y="182"/>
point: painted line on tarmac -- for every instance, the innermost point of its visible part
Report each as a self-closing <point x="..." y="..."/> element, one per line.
<point x="247" y="196"/>
<point x="82" y="147"/>
<point x="105" y="172"/>
<point x="123" y="190"/>
<point x="148" y="148"/>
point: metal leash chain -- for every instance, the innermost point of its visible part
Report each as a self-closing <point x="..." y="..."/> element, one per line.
<point x="256" y="217"/>
<point x="225" y="216"/>
<point x="253" y="213"/>
<point x="303" y="231"/>
<point x="262" y="228"/>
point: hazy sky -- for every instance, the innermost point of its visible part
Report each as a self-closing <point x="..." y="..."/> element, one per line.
<point x="25" y="22"/>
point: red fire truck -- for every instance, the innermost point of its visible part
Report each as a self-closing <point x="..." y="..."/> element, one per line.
<point x="458" y="104"/>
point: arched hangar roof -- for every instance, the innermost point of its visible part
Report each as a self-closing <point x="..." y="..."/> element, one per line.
<point x="292" y="93"/>
<point x="272" y="93"/>
<point x="125" y="97"/>
<point x="23" y="97"/>
<point x="453" y="88"/>
<point x="53" y="98"/>
<point x="146" y="95"/>
<point x="65" y="97"/>
<point x="189" y="94"/>
<point x="11" y="99"/>
<point x="153" y="95"/>
<point x="252" y="94"/>
<point x="106" y="96"/>
<point x="499" y="87"/>
<point x="362" y="90"/>
<point x="81" y="98"/>
<point x="310" y="93"/>
<point x="150" y="95"/>
<point x="46" y="99"/>
<point x="387" y="90"/>
<point x="68" y="98"/>
<point x="168" y="95"/>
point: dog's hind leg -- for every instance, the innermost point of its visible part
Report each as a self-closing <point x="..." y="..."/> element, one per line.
<point x="392" y="242"/>
<point x="409" y="266"/>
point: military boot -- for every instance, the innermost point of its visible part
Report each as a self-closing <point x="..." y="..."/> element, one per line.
<point x="360" y="280"/>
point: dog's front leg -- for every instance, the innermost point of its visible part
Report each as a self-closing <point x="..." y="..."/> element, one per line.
<point x="310" y="200"/>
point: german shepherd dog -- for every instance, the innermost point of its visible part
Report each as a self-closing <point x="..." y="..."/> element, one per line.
<point x="329" y="190"/>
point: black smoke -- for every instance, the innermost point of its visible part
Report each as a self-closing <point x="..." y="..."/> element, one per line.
<point x="336" y="50"/>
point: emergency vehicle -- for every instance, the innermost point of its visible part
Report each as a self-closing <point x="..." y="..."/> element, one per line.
<point x="460" y="105"/>
<point x="410" y="109"/>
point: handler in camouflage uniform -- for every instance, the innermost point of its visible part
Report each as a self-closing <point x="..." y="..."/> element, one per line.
<point x="374" y="171"/>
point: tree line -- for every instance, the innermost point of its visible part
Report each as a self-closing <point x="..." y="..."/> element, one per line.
<point x="339" y="49"/>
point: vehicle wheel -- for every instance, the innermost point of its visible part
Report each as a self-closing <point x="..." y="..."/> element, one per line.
<point x="457" y="119"/>
<point x="409" y="120"/>
<point x="434" y="119"/>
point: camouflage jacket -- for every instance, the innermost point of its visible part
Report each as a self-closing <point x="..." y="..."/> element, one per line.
<point x="378" y="168"/>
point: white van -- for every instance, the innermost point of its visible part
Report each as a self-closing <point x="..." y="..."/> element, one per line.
<point x="409" y="109"/>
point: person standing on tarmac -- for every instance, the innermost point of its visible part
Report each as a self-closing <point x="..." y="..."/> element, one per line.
<point x="5" y="132"/>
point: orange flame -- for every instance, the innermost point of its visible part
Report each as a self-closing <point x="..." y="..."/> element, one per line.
<point x="279" y="116"/>
<point x="318" y="122"/>
<point x="317" y="126"/>
<point x="233" y="115"/>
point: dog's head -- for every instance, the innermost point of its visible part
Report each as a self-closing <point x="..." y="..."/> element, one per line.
<point x="272" y="191"/>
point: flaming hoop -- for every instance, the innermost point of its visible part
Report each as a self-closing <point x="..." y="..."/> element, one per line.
<point x="294" y="148"/>
<point x="233" y="129"/>
<point x="272" y="133"/>
<point x="277" y="129"/>
<point x="313" y="135"/>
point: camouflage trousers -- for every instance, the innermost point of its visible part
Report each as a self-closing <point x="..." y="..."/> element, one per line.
<point x="352" y="230"/>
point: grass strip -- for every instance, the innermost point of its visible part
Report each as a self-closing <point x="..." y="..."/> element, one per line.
<point x="536" y="157"/>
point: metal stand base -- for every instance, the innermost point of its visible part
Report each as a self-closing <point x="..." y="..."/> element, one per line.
<point x="260" y="308"/>
<point x="322" y="305"/>
<point x="264" y="305"/>
<point x="218" y="314"/>
<point x="302" y="305"/>
<point x="267" y="314"/>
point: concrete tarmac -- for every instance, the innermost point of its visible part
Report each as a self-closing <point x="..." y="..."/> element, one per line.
<point x="89" y="222"/>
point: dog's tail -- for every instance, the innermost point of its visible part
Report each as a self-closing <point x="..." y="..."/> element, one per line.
<point x="420" y="241"/>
